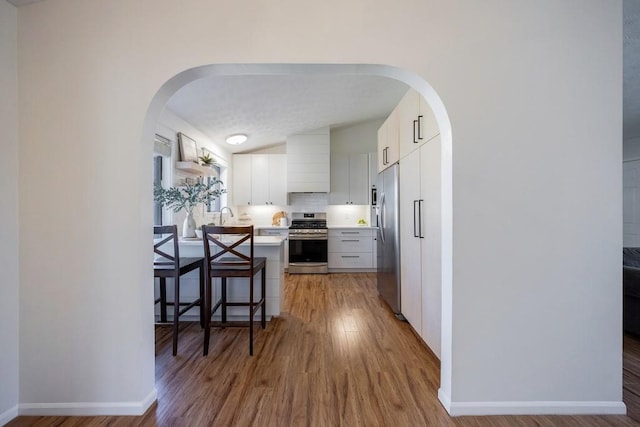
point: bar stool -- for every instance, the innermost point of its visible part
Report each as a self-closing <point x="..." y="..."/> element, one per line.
<point x="218" y="243"/>
<point x="168" y="264"/>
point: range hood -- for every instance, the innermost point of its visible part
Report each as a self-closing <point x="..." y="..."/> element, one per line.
<point x="308" y="162"/>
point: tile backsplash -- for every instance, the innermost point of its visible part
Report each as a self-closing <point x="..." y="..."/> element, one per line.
<point x="337" y="215"/>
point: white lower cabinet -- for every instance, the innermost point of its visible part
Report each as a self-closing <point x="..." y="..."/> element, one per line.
<point x="278" y="232"/>
<point x="351" y="248"/>
<point x="420" y="242"/>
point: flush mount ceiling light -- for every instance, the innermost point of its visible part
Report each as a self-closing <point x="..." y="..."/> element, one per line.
<point x="236" y="139"/>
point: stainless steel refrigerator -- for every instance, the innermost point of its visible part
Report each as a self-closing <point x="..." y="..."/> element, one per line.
<point x="388" y="239"/>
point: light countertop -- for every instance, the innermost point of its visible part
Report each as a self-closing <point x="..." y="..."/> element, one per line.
<point x="273" y="227"/>
<point x="257" y="241"/>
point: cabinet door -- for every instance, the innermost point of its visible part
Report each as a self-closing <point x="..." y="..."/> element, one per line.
<point x="428" y="128"/>
<point x="410" y="242"/>
<point x="278" y="179"/>
<point x="260" y="179"/>
<point x="339" y="194"/>
<point x="388" y="151"/>
<point x="408" y="122"/>
<point x="241" y="184"/>
<point x="393" y="151"/>
<point x="358" y="179"/>
<point x="382" y="146"/>
<point x="431" y="244"/>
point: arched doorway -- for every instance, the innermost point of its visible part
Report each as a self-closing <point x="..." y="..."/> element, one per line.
<point x="416" y="82"/>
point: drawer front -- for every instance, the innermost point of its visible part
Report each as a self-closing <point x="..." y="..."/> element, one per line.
<point x="278" y="233"/>
<point x="350" y="232"/>
<point x="351" y="260"/>
<point x="350" y="244"/>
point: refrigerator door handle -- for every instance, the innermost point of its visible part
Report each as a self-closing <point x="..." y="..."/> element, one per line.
<point x="381" y="222"/>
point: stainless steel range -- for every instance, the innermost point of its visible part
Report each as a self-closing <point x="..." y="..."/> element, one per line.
<point x="308" y="238"/>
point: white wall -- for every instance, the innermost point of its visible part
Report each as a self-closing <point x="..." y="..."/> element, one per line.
<point x="358" y="138"/>
<point x="8" y="211"/>
<point x="534" y="314"/>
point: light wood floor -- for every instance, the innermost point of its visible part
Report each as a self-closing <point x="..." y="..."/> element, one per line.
<point x="336" y="356"/>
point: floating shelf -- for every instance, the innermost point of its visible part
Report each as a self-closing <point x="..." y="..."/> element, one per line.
<point x="194" y="168"/>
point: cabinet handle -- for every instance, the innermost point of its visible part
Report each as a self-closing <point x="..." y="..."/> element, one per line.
<point x="419" y="127"/>
<point x="420" y="218"/>
<point x="350" y="256"/>
<point x="349" y="232"/>
<point x="415" y="123"/>
<point x="349" y="240"/>
<point x="415" y="232"/>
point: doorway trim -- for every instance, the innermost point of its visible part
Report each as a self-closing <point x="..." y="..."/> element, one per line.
<point x="417" y="82"/>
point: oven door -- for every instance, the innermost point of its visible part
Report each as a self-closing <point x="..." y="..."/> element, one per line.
<point x="308" y="255"/>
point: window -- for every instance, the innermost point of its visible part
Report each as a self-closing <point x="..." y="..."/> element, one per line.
<point x="214" y="205"/>
<point x="157" y="180"/>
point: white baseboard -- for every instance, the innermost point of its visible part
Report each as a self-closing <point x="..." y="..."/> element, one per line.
<point x="89" y="408"/>
<point x="456" y="409"/>
<point x="8" y="415"/>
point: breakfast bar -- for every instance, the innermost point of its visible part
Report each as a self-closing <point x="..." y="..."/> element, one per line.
<point x="270" y="247"/>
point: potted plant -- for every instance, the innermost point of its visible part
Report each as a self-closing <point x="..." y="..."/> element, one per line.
<point x="188" y="197"/>
<point x="206" y="159"/>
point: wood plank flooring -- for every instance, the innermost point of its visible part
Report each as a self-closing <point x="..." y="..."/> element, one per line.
<point x="335" y="357"/>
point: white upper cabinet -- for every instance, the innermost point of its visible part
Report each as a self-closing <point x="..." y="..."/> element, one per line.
<point x="349" y="179"/>
<point x="388" y="150"/>
<point x="241" y="175"/>
<point x="278" y="179"/>
<point x="259" y="179"/>
<point x="308" y="162"/>
<point x="416" y="122"/>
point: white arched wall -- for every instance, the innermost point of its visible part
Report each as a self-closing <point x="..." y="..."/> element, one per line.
<point x="411" y="79"/>
<point x="532" y="89"/>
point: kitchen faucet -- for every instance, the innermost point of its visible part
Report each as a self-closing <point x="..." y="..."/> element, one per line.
<point x="230" y="213"/>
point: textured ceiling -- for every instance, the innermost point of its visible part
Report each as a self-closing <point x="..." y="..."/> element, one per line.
<point x="268" y="108"/>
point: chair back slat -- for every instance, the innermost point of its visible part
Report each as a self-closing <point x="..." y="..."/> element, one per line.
<point x="167" y="259"/>
<point x="227" y="240"/>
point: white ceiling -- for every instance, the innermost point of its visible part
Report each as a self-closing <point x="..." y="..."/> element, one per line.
<point x="268" y="109"/>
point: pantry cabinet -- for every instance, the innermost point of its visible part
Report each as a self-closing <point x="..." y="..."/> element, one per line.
<point x="349" y="179"/>
<point x="420" y="241"/>
<point x="259" y="179"/>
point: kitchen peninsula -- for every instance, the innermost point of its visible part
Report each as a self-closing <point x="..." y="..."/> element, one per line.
<point x="270" y="247"/>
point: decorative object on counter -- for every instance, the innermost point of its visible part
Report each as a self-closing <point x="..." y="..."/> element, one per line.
<point x="362" y="222"/>
<point x="188" y="148"/>
<point x="244" y="217"/>
<point x="187" y="198"/>
<point x="277" y="217"/>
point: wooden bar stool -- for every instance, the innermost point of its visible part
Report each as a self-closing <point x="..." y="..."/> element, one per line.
<point x="223" y="259"/>
<point x="168" y="264"/>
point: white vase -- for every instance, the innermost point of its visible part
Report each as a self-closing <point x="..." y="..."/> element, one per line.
<point x="189" y="226"/>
